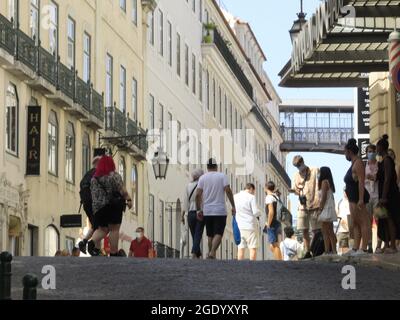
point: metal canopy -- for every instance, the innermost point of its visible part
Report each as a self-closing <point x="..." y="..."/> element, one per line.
<point x="352" y="48"/>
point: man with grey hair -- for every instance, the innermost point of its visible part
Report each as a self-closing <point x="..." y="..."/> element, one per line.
<point x="196" y="225"/>
<point x="305" y="186"/>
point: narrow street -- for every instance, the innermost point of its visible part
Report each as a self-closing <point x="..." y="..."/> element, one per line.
<point x="159" y="279"/>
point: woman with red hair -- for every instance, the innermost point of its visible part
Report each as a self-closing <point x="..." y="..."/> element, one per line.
<point x="109" y="198"/>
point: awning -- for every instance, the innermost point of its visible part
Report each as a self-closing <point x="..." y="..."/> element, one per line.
<point x="342" y="55"/>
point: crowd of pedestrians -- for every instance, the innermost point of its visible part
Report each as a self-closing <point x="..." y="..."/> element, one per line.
<point x="369" y="209"/>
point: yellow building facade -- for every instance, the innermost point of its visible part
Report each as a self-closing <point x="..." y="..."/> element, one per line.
<point x="82" y="64"/>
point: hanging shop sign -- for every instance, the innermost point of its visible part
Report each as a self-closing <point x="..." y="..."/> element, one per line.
<point x="394" y="59"/>
<point x="363" y="111"/>
<point x="314" y="31"/>
<point x="71" y="221"/>
<point x="33" y="141"/>
<point x="363" y="144"/>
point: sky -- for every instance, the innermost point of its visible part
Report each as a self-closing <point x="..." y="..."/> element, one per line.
<point x="271" y="22"/>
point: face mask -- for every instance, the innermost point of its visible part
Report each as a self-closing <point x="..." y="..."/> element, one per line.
<point x="371" y="156"/>
<point x="138" y="235"/>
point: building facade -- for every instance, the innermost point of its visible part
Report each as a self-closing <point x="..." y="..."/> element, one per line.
<point x="70" y="61"/>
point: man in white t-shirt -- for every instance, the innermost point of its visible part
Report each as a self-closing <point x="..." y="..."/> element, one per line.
<point x="247" y="213"/>
<point x="343" y="236"/>
<point x="210" y="195"/>
<point x="290" y="248"/>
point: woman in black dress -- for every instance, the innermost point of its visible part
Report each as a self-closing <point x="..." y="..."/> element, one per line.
<point x="389" y="197"/>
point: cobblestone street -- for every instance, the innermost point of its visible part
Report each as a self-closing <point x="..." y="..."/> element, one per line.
<point x="122" y="278"/>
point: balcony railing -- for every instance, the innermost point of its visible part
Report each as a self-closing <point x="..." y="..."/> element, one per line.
<point x="233" y="64"/>
<point x="272" y="159"/>
<point x="26" y="50"/>
<point x="261" y="118"/>
<point x="116" y="121"/>
<point x="164" y="251"/>
<point x="7" y="38"/>
<point x="317" y="135"/>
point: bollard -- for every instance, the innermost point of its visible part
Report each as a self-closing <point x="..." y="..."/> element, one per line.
<point x="5" y="276"/>
<point x="30" y="282"/>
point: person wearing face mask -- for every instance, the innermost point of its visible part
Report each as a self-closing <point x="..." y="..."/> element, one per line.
<point x="141" y="247"/>
<point x="371" y="184"/>
<point x="358" y="198"/>
<point x="305" y="186"/>
<point x="389" y="197"/>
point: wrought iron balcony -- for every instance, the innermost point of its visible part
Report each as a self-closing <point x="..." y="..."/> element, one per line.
<point x="7" y="38"/>
<point x="262" y="119"/>
<point x="272" y="159"/>
<point x="44" y="65"/>
<point x="232" y="63"/>
<point x="116" y="121"/>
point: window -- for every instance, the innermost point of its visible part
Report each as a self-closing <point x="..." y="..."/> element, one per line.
<point x="51" y="242"/>
<point x="169" y="43"/>
<point x="122" y="89"/>
<point x="151" y="110"/>
<point x="194" y="5"/>
<point x="12" y="119"/>
<point x="206" y="16"/>
<point x="208" y="90"/>
<point x="134" y="99"/>
<point x="122" y="169"/>
<point x="13" y="10"/>
<point x="161" y="33"/>
<point x="187" y="64"/>
<point x="200" y="82"/>
<point x="151" y="27"/>
<point x="151" y="213"/>
<point x="87" y="57"/>
<point x="161" y="208"/>
<point x="169" y="133"/>
<point x="34" y="21"/>
<point x="86" y="165"/>
<point x="71" y="43"/>
<point x="134" y="186"/>
<point x="70" y="153"/>
<point x="193" y="74"/>
<point x="214" y="98"/>
<point x="134" y="12"/>
<point x="161" y="123"/>
<point x="52" y="147"/>
<point x="230" y="116"/>
<point x="109" y="80"/>
<point x="220" y="105"/>
<point x="122" y="5"/>
<point x="201" y="10"/>
<point x="226" y="113"/>
<point x="179" y="128"/>
<point x="53" y="30"/>
<point x="178" y="54"/>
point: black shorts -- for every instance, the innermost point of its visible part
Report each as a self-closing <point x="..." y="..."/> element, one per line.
<point x="215" y="225"/>
<point x="106" y="216"/>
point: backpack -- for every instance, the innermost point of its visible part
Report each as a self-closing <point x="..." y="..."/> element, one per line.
<point x="283" y="215"/>
<point x="84" y="192"/>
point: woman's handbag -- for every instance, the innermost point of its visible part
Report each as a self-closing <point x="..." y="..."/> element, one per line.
<point x="236" y="231"/>
<point x="380" y="212"/>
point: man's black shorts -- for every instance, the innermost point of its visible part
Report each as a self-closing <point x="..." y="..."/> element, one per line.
<point x="215" y="225"/>
<point x="106" y="216"/>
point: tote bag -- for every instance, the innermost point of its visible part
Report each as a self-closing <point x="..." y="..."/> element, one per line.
<point x="236" y="231"/>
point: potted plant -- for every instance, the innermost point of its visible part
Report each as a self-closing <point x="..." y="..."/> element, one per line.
<point x="209" y="36"/>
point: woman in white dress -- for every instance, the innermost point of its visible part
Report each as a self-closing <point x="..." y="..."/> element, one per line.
<point x="327" y="209"/>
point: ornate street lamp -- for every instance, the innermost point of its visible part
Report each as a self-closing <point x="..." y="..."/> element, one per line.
<point x="298" y="24"/>
<point x="160" y="164"/>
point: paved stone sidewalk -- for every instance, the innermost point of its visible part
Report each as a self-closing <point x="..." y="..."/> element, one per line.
<point x="386" y="261"/>
<point x="174" y="279"/>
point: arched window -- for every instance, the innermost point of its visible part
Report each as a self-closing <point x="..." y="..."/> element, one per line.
<point x="51" y="241"/>
<point x="134" y="184"/>
<point x="85" y="153"/>
<point x="122" y="169"/>
<point x="52" y="143"/>
<point x="12" y="119"/>
<point x="70" y="153"/>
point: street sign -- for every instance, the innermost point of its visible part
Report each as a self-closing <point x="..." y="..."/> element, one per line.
<point x="363" y="111"/>
<point x="71" y="221"/>
<point x="363" y="144"/>
<point x="33" y="141"/>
